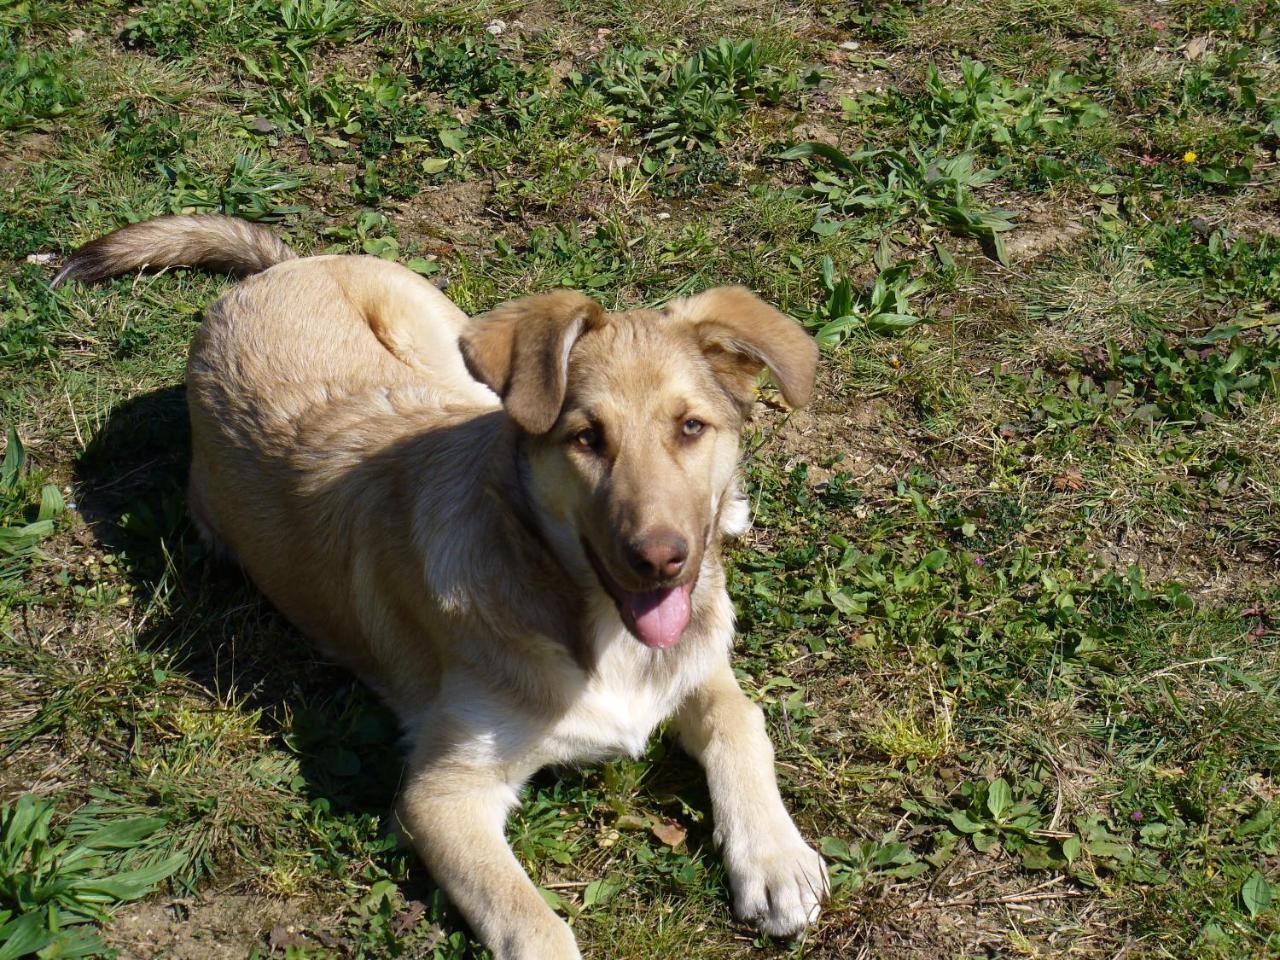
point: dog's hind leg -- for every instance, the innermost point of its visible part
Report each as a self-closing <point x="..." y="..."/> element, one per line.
<point x="199" y="511"/>
<point x="454" y="813"/>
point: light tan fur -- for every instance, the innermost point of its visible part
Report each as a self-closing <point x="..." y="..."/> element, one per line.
<point x="217" y="242"/>
<point x="433" y="516"/>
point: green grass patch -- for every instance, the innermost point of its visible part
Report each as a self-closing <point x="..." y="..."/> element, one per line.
<point x="1009" y="603"/>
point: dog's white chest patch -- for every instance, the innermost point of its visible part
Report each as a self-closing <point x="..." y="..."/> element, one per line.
<point x="620" y="706"/>
<point x="610" y="719"/>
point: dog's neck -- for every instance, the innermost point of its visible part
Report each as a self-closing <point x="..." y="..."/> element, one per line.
<point x="568" y="594"/>
<point x="519" y="497"/>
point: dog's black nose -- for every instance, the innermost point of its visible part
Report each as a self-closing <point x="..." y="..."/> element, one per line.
<point x="659" y="555"/>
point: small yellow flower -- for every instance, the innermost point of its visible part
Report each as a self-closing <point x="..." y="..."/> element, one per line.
<point x="1189" y="157"/>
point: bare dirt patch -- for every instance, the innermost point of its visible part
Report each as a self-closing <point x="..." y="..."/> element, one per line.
<point x="222" y="927"/>
<point x="25" y="150"/>
<point x="447" y="217"/>
<point x="861" y="437"/>
<point x="1041" y="234"/>
<point x="970" y="914"/>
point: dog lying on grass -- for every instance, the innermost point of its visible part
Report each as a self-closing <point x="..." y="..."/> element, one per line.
<point x="509" y="527"/>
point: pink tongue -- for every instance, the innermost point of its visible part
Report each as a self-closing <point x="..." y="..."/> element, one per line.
<point x="660" y="616"/>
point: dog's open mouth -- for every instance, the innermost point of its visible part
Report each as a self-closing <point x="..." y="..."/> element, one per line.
<point x="657" y="618"/>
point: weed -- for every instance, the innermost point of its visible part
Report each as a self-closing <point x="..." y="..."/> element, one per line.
<point x="985" y="108"/>
<point x="884" y="308"/>
<point x="1175" y="381"/>
<point x="469" y="70"/>
<point x="55" y="879"/>
<point x="987" y="814"/>
<point x="20" y="534"/>
<point x="380" y="122"/>
<point x="35" y="87"/>
<point x="180" y="29"/>
<point x="308" y="22"/>
<point x="905" y="184"/>
<point x="249" y="189"/>
<point x="854" y="864"/>
<point x="173" y="28"/>
<point x="676" y="103"/>
<point x="1229" y="268"/>
<point x="138" y="137"/>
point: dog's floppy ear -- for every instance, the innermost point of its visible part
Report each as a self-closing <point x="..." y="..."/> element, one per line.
<point x="520" y="351"/>
<point x="740" y="335"/>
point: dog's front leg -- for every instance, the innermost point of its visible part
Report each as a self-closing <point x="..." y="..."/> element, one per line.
<point x="454" y="813"/>
<point x="778" y="881"/>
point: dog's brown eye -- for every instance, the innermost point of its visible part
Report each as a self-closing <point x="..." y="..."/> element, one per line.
<point x="588" y="439"/>
<point x="693" y="427"/>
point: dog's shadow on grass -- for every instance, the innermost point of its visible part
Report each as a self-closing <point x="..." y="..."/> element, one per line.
<point x="214" y="625"/>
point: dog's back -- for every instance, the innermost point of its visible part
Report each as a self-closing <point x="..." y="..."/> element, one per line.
<point x="306" y="383"/>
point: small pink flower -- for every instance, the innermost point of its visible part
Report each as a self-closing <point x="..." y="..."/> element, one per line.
<point x="1136" y="816"/>
<point x="979" y="560"/>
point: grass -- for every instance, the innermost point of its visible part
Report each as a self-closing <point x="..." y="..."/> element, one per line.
<point x="1010" y="603"/>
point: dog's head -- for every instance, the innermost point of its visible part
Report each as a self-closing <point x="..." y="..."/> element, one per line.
<point x="633" y="422"/>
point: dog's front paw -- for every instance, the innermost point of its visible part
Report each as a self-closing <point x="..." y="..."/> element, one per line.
<point x="779" y="882"/>
<point x="546" y="941"/>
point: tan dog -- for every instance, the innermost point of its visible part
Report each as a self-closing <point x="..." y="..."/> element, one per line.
<point x="509" y="527"/>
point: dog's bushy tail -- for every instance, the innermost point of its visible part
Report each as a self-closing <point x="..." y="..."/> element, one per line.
<point x="202" y="240"/>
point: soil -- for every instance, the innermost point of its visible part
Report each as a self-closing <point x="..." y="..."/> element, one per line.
<point x="1040" y="235"/>
<point x="860" y="437"/>
<point x="27" y="149"/>
<point x="446" y="217"/>
<point x="217" y="927"/>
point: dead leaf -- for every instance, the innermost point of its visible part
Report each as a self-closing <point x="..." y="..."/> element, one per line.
<point x="670" y="833"/>
<point x="1196" y="48"/>
<point x="1068" y="480"/>
<point x="282" y="937"/>
<point x="408" y="918"/>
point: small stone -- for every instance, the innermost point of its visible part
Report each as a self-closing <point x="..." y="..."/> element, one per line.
<point x="263" y="125"/>
<point x="850" y="45"/>
<point x="496" y="27"/>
